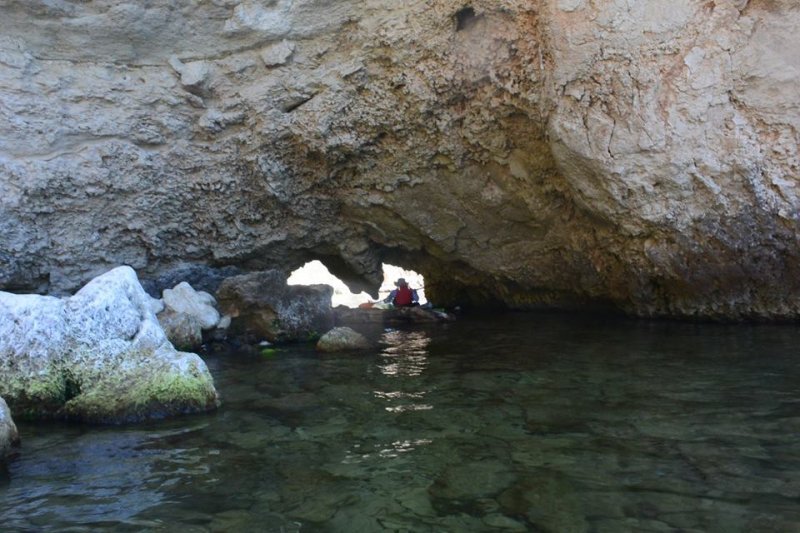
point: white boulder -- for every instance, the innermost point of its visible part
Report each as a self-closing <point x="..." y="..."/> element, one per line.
<point x="186" y="314"/>
<point x="98" y="356"/>
<point x="184" y="299"/>
<point x="342" y="339"/>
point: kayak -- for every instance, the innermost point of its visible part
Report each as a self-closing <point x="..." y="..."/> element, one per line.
<point x="392" y="315"/>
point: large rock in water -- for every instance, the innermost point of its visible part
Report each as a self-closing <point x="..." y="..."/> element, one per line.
<point x="98" y="356"/>
<point x="342" y="339"/>
<point x="9" y="437"/>
<point x="263" y="306"/>
<point x="532" y="152"/>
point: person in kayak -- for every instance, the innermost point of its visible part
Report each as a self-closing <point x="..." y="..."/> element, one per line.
<point x="403" y="295"/>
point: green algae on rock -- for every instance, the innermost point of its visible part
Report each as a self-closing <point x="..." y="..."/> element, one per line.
<point x="98" y="356"/>
<point x="180" y="386"/>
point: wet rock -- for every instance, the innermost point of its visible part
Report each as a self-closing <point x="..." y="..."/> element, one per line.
<point x="98" y="356"/>
<point x="262" y="306"/>
<point x="547" y="500"/>
<point x="342" y="339"/>
<point x="474" y="480"/>
<point x="503" y="523"/>
<point x="9" y="437"/>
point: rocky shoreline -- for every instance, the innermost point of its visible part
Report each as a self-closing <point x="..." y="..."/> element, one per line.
<point x="109" y="354"/>
<point x="98" y="356"/>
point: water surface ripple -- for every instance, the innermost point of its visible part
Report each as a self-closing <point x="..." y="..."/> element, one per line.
<point x="518" y="423"/>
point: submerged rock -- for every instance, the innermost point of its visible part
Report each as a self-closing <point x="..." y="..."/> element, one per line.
<point x="342" y="339"/>
<point x="547" y="499"/>
<point x="472" y="480"/>
<point x="9" y="437"/>
<point x="98" y="356"/>
<point x="262" y="306"/>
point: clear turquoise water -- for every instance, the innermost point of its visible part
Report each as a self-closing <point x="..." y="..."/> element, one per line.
<point x="518" y="422"/>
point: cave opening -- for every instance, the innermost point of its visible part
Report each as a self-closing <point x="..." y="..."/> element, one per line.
<point x="315" y="272"/>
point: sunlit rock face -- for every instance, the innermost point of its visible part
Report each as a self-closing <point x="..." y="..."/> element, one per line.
<point x="561" y="152"/>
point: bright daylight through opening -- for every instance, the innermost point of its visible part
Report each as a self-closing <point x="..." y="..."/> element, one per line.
<point x="315" y="272"/>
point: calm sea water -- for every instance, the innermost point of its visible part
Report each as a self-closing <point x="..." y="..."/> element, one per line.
<point x="513" y="423"/>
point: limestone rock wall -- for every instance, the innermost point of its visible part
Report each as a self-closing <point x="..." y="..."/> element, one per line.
<point x="551" y="152"/>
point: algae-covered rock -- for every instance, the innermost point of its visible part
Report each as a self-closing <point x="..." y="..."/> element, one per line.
<point x="9" y="437"/>
<point x="98" y="356"/>
<point x="342" y="339"/>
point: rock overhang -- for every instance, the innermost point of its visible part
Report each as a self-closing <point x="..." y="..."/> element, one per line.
<point x="551" y="152"/>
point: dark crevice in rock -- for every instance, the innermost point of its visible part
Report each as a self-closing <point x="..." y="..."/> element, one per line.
<point x="466" y="18"/>
<point x="200" y="276"/>
<point x="72" y="386"/>
<point x="296" y="103"/>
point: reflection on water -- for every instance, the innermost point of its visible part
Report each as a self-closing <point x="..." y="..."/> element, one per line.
<point x="397" y="447"/>
<point x="404" y="355"/>
<point x="523" y="423"/>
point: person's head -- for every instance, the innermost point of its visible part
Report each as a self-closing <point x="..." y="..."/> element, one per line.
<point x="401" y="282"/>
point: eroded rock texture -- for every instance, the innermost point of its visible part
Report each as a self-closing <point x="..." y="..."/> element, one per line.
<point x="98" y="356"/>
<point x="552" y="152"/>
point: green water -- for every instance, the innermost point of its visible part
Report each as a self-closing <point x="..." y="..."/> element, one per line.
<point x="515" y="423"/>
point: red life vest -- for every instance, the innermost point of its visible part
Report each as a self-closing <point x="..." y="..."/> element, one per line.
<point x="403" y="296"/>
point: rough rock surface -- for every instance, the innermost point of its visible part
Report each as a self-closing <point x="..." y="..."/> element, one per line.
<point x="342" y="339"/>
<point x="98" y="356"/>
<point x="186" y="314"/>
<point x="182" y="329"/>
<point x="263" y="307"/>
<point x="201" y="305"/>
<point x="9" y="437"/>
<point x="547" y="152"/>
<point x="200" y="277"/>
